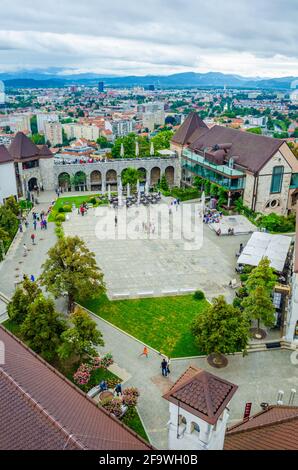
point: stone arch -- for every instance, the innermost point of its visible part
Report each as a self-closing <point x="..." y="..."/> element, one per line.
<point x="32" y="184"/>
<point x="95" y="180"/>
<point x="170" y="175"/>
<point x="143" y="174"/>
<point x="80" y="181"/>
<point x="155" y="175"/>
<point x="64" y="181"/>
<point x="111" y="179"/>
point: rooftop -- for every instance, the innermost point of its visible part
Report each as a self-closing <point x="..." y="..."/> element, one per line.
<point x="201" y="393"/>
<point x="41" y="409"/>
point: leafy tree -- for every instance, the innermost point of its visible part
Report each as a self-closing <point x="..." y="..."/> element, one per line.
<point x="22" y="298"/>
<point x="163" y="183"/>
<point x="33" y="124"/>
<point x="258" y="305"/>
<point x="82" y="338"/>
<point x="255" y="130"/>
<point x="79" y="179"/>
<point x="11" y="203"/>
<point x="43" y="327"/>
<point x="261" y="276"/>
<point x="103" y="142"/>
<point x="130" y="175"/>
<point x="221" y="329"/>
<point x="162" y="140"/>
<point x="8" y="221"/>
<point x="71" y="268"/>
<point x="38" y="139"/>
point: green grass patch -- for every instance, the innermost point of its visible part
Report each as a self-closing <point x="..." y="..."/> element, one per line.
<point x="132" y="420"/>
<point x="77" y="200"/>
<point x="13" y="327"/>
<point x="161" y="322"/>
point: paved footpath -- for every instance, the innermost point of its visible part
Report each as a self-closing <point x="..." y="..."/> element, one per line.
<point x="259" y="376"/>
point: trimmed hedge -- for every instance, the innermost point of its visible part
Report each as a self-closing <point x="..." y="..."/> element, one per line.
<point x="60" y="218"/>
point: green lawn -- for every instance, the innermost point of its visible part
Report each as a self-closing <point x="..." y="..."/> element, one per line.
<point x="69" y="201"/>
<point x="132" y="420"/>
<point x="162" y="322"/>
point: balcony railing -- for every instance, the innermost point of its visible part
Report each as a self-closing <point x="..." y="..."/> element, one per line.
<point x="221" y="180"/>
<point x="224" y="169"/>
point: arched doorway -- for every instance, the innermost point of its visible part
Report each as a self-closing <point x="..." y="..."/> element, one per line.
<point x="32" y="184"/>
<point x="95" y="180"/>
<point x="111" y="179"/>
<point x="154" y="176"/>
<point x="79" y="181"/>
<point x="142" y="174"/>
<point x="64" y="181"/>
<point x="170" y="173"/>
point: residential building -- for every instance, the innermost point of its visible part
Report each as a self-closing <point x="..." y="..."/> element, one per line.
<point x="123" y="127"/>
<point x="16" y="122"/>
<point x="53" y="133"/>
<point x="43" y="118"/>
<point x="77" y="131"/>
<point x="8" y="186"/>
<point x="42" y="410"/>
<point x="261" y="170"/>
<point x="150" y="119"/>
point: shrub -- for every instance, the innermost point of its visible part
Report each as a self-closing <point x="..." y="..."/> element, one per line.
<point x="199" y="295"/>
<point x="59" y="232"/>
<point x="67" y="208"/>
<point x="131" y="391"/>
<point x="60" y="210"/>
<point x="129" y="400"/>
<point x="60" y="218"/>
<point x="113" y="406"/>
<point x="278" y="223"/>
<point x="92" y="200"/>
<point x="82" y="375"/>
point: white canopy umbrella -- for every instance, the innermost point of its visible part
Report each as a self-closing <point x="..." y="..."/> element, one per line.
<point x="137" y="148"/>
<point x="122" y="150"/>
<point x="128" y="190"/>
<point x="152" y="149"/>
<point x="109" y="192"/>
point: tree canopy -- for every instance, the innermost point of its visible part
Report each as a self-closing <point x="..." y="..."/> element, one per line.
<point x="23" y="297"/>
<point x="71" y="268"/>
<point x="221" y="329"/>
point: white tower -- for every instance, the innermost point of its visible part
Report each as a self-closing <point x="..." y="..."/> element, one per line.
<point x="198" y="405"/>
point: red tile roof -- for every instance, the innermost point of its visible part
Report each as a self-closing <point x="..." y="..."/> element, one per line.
<point x="201" y="393"/>
<point x="5" y="156"/>
<point x="41" y="409"/>
<point x="22" y="147"/>
<point x="193" y="123"/>
<point x="249" y="150"/>
<point x="273" y="429"/>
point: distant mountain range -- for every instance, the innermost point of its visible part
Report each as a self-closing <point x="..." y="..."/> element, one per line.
<point x="53" y="77"/>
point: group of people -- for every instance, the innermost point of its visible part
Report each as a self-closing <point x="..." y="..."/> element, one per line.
<point x="41" y="218"/>
<point x="165" y="363"/>
<point x="103" y="386"/>
<point x="212" y="216"/>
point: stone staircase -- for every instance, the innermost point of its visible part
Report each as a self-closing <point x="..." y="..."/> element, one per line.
<point x="270" y="345"/>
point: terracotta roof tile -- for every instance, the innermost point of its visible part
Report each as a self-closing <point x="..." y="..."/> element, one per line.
<point x="191" y="124"/>
<point x="273" y="429"/>
<point x="5" y="156"/>
<point x="41" y="409"/>
<point x="202" y="394"/>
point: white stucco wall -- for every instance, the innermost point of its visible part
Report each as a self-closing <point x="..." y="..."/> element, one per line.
<point x="292" y="311"/>
<point x="8" y="185"/>
<point x="249" y="188"/>
<point x="264" y="185"/>
<point x="209" y="438"/>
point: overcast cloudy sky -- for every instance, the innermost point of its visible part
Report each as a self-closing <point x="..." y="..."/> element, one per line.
<point x="121" y="37"/>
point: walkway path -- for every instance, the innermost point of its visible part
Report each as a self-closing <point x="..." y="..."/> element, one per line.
<point x="259" y="377"/>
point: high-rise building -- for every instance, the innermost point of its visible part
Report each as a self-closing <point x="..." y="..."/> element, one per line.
<point x="42" y="118"/>
<point x="122" y="127"/>
<point x="53" y="133"/>
<point x="101" y="87"/>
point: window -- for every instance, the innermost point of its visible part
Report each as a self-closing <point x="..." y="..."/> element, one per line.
<point x="195" y="428"/>
<point x="277" y="177"/>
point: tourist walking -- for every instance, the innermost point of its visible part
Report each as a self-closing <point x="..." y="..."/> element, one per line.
<point x="164" y="367"/>
<point x="241" y="248"/>
<point x="32" y="278"/>
<point x="21" y="228"/>
<point x="116" y="220"/>
<point x="33" y="238"/>
<point x="25" y="249"/>
<point x="118" y="389"/>
<point x="145" y="351"/>
<point x="34" y="224"/>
